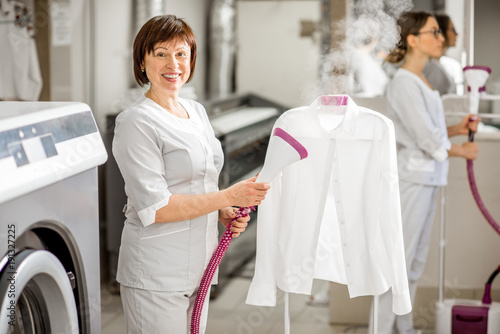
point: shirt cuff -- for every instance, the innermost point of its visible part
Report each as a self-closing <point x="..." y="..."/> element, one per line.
<point x="148" y="215"/>
<point x="261" y="295"/>
<point x="441" y="154"/>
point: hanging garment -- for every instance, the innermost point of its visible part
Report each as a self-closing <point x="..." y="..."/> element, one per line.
<point x="439" y="78"/>
<point x="335" y="215"/>
<point x="20" y="76"/>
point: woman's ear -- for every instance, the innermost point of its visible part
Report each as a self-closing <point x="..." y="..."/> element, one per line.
<point x="411" y="40"/>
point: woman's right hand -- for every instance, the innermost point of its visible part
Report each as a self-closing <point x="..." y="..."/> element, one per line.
<point x="470" y="150"/>
<point x="247" y="193"/>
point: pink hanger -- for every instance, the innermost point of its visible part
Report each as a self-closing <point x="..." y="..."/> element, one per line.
<point x="334" y="100"/>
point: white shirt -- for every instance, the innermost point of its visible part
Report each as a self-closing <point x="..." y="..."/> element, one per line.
<point x="336" y="214"/>
<point x="421" y="133"/>
<point x="20" y="76"/>
<point x="160" y="154"/>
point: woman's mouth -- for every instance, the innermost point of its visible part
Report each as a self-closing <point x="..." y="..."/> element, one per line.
<point x="171" y="76"/>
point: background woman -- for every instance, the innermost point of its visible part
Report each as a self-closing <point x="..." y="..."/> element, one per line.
<point x="445" y="73"/>
<point x="170" y="160"/>
<point x="423" y="148"/>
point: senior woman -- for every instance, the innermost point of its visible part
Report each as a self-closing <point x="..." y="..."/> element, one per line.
<point x="170" y="160"/>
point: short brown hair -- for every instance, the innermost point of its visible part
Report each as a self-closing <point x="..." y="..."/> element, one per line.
<point x="161" y="29"/>
<point x="409" y="23"/>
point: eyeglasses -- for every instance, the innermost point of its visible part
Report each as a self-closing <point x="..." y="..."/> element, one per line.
<point x="435" y="32"/>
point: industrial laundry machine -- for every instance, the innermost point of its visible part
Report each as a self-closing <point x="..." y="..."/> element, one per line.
<point x="49" y="223"/>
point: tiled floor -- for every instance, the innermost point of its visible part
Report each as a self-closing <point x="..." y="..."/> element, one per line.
<point x="229" y="314"/>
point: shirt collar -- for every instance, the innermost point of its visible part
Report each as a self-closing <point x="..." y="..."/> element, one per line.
<point x="341" y="103"/>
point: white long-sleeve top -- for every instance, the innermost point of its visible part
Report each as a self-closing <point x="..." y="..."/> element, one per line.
<point x="20" y="76"/>
<point x="336" y="214"/>
<point x="421" y="133"/>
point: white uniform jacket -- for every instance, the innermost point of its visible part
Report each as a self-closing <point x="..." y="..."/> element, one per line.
<point x="336" y="214"/>
<point x="159" y="155"/>
<point x="421" y="133"/>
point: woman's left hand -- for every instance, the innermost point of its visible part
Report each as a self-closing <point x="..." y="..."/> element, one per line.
<point x="227" y="214"/>
<point x="467" y="123"/>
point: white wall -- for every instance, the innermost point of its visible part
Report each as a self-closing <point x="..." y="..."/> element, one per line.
<point x="455" y="10"/>
<point x="195" y="13"/>
<point x="112" y="55"/>
<point x="487" y="39"/>
<point x="273" y="61"/>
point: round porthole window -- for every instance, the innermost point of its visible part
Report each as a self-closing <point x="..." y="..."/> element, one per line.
<point x="36" y="295"/>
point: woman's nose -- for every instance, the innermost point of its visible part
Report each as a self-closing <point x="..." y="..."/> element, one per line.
<point x="172" y="61"/>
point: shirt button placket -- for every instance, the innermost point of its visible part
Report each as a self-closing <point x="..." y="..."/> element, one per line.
<point x="340" y="216"/>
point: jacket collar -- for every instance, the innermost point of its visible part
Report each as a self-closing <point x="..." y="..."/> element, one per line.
<point x="340" y="104"/>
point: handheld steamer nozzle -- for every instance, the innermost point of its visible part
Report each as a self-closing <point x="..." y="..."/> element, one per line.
<point x="283" y="151"/>
<point x="476" y="77"/>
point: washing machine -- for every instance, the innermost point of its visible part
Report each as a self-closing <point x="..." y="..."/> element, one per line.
<point x="49" y="223"/>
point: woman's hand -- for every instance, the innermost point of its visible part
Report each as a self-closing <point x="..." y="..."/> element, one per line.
<point x="184" y="207"/>
<point x="467" y="123"/>
<point x="239" y="225"/>
<point x="247" y="193"/>
<point x="468" y="150"/>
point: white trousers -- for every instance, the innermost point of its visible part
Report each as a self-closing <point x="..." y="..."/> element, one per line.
<point x="160" y="312"/>
<point x="418" y="204"/>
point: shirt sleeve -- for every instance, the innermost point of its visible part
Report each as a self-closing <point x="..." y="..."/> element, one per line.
<point x="407" y="101"/>
<point x="262" y="291"/>
<point x="137" y="151"/>
<point x="390" y="215"/>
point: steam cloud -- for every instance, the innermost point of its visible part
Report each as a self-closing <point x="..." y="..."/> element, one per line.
<point x="370" y="19"/>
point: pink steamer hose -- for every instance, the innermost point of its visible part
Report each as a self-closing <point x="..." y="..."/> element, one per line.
<point x="211" y="268"/>
<point x="475" y="192"/>
<point x="476" y="77"/>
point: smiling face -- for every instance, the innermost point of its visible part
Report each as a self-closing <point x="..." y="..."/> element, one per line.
<point x="168" y="66"/>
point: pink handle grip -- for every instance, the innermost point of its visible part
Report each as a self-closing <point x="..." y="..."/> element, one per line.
<point x="211" y="268"/>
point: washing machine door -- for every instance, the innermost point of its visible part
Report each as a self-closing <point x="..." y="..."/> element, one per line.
<point x="36" y="295"/>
